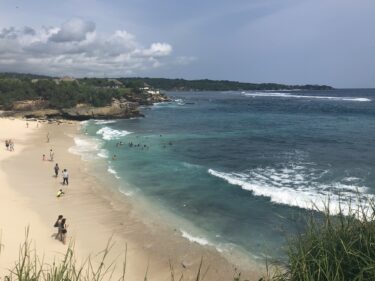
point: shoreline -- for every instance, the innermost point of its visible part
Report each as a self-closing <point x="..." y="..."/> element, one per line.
<point x="96" y="212"/>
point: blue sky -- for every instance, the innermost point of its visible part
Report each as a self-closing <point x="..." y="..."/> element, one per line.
<point x="285" y="41"/>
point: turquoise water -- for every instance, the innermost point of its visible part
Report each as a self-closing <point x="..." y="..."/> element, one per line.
<point x="240" y="168"/>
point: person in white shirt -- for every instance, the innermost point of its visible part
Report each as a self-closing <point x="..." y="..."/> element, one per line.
<point x="65" y="176"/>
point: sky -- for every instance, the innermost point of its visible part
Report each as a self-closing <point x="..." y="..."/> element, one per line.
<point x="328" y="42"/>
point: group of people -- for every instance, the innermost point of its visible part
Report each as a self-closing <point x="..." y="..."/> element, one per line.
<point x="65" y="176"/>
<point x="9" y="144"/>
<point x="144" y="146"/>
<point x="51" y="156"/>
<point x="60" y="223"/>
<point x="61" y="226"/>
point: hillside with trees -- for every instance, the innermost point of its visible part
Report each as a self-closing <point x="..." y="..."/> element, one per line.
<point x="40" y="96"/>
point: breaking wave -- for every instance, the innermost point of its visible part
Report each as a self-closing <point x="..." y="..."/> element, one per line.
<point x="85" y="147"/>
<point x="199" y="240"/>
<point x="103" y="122"/>
<point x="108" y="133"/>
<point x="113" y="172"/>
<point x="289" y="95"/>
<point x="298" y="186"/>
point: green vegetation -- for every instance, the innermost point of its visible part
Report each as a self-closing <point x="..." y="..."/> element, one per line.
<point x="334" y="248"/>
<point x="215" y="85"/>
<point x="68" y="92"/>
<point x="65" y="94"/>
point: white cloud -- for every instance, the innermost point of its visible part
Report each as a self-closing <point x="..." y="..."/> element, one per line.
<point x="158" y="50"/>
<point x="73" y="30"/>
<point x="76" y="48"/>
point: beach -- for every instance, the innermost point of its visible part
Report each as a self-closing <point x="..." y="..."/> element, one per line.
<point x="95" y="212"/>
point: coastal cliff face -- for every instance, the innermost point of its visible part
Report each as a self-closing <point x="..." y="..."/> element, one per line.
<point x="119" y="108"/>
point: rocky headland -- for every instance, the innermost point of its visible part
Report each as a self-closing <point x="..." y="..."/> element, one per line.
<point x="73" y="99"/>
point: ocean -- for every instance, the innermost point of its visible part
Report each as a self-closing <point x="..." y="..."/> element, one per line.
<point x="241" y="170"/>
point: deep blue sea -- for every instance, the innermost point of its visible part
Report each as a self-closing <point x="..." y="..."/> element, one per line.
<point x="239" y="169"/>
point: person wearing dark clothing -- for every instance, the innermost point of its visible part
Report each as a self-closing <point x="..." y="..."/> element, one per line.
<point x="56" y="168"/>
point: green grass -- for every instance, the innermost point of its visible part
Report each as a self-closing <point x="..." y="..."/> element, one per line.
<point x="333" y="247"/>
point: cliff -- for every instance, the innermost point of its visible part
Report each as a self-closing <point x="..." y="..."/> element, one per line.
<point x="119" y="108"/>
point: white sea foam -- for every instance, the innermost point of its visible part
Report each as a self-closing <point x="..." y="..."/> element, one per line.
<point x="108" y="133"/>
<point x="127" y="193"/>
<point x="289" y="95"/>
<point x="103" y="122"/>
<point x="103" y="153"/>
<point x="190" y="166"/>
<point x="86" y="147"/>
<point x="191" y="238"/>
<point x="113" y="172"/>
<point x="298" y="188"/>
<point x="180" y="101"/>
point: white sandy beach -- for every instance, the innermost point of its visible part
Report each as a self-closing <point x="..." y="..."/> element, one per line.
<point x="94" y="212"/>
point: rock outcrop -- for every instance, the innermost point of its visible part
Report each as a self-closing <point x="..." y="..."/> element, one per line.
<point x="119" y="108"/>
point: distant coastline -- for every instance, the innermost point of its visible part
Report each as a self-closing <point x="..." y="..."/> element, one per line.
<point x="45" y="97"/>
<point x="179" y="84"/>
<point x="217" y="85"/>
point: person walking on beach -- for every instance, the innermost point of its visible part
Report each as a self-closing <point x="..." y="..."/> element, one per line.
<point x="48" y="137"/>
<point x="7" y="144"/>
<point x="51" y="154"/>
<point x="58" y="225"/>
<point x="63" y="230"/>
<point x="56" y="169"/>
<point x="11" y="145"/>
<point x="65" y="176"/>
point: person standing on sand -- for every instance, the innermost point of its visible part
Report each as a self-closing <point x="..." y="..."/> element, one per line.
<point x="56" y="168"/>
<point x="11" y="145"/>
<point x="48" y="137"/>
<point x="27" y="124"/>
<point x="63" y="230"/>
<point x="7" y="144"/>
<point x="58" y="225"/>
<point x="51" y="154"/>
<point x="65" y="176"/>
